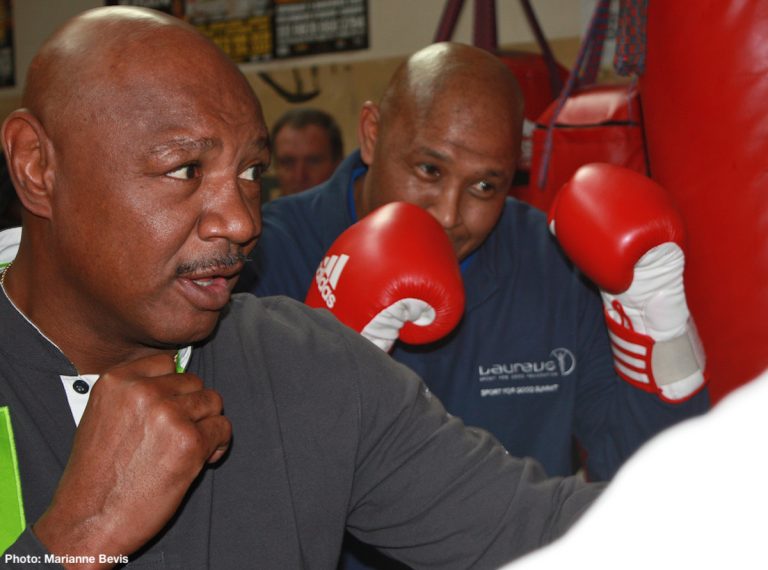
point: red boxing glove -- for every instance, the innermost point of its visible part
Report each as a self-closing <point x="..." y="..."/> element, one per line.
<point x="392" y="274"/>
<point x="623" y="231"/>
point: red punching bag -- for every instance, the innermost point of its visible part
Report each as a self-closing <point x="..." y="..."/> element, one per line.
<point x="587" y="123"/>
<point x="705" y="105"/>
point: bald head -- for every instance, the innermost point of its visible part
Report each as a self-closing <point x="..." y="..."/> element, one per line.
<point x="449" y="71"/>
<point x="111" y="49"/>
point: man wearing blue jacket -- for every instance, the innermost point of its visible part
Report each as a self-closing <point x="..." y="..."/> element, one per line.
<point x="531" y="360"/>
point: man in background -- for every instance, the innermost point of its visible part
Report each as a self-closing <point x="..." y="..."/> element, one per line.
<point x="307" y="146"/>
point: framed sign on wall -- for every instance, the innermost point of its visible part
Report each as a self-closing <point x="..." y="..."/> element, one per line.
<point x="260" y="30"/>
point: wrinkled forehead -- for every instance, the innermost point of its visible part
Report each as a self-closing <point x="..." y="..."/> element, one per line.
<point x="147" y="91"/>
<point x="171" y="68"/>
<point x="175" y="94"/>
<point x="99" y="69"/>
<point x="462" y="110"/>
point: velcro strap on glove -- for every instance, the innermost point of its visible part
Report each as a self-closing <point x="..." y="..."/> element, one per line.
<point x="672" y="368"/>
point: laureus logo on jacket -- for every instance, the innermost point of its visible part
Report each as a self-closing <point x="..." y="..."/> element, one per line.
<point x="561" y="363"/>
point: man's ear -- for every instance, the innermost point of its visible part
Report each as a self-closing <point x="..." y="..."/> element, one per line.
<point x="368" y="130"/>
<point x="28" y="151"/>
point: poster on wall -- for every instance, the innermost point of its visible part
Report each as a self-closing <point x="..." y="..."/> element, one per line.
<point x="242" y="28"/>
<point x="7" y="66"/>
<point x="258" y="30"/>
<point x="173" y="7"/>
<point x="320" y="26"/>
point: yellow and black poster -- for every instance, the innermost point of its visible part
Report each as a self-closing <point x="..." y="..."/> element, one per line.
<point x="258" y="30"/>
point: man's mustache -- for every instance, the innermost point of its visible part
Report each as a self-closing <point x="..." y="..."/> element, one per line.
<point x="204" y="264"/>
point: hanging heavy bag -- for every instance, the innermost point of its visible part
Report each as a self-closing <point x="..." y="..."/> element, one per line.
<point x="533" y="73"/>
<point x="704" y="90"/>
<point x="587" y="123"/>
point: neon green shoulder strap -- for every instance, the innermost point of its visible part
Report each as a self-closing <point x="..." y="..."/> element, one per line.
<point x="12" y="520"/>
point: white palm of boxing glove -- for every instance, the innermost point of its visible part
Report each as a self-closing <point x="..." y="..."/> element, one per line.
<point x="655" y="306"/>
<point x="384" y="329"/>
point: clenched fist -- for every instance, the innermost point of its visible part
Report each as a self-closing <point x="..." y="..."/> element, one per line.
<point x="144" y="437"/>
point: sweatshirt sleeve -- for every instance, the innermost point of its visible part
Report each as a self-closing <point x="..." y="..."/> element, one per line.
<point x="434" y="493"/>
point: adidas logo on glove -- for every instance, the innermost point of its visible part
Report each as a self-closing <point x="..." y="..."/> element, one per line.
<point x="327" y="277"/>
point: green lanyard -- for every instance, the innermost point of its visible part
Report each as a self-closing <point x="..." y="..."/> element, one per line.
<point x="12" y="520"/>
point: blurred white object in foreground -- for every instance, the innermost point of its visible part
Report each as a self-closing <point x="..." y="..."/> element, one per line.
<point x="696" y="496"/>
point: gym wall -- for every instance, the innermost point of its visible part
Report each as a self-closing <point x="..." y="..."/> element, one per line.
<point x="347" y="79"/>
